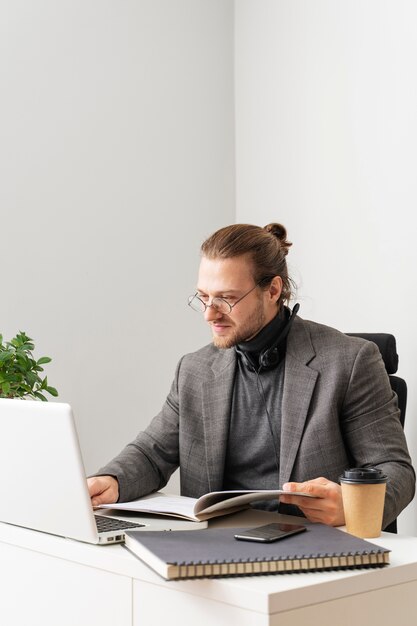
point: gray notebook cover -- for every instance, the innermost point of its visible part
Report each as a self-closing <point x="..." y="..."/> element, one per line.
<point x="218" y="546"/>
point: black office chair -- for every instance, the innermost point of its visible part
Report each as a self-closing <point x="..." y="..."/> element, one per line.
<point x="388" y="349"/>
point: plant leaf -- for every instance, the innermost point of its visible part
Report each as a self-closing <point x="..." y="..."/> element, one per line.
<point x="43" y="359"/>
<point x="40" y="396"/>
<point x="52" y="391"/>
<point x="5" y="355"/>
<point x="31" y="378"/>
<point x="27" y="346"/>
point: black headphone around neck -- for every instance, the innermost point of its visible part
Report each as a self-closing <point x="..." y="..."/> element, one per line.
<point x="269" y="358"/>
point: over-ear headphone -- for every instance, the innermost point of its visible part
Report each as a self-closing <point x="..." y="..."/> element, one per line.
<point x="270" y="357"/>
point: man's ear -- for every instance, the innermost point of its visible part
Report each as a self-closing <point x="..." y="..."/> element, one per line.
<point x="275" y="288"/>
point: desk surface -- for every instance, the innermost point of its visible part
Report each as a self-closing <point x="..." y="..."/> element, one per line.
<point x="265" y="594"/>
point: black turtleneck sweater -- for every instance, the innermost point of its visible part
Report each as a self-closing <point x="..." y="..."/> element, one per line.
<point x="252" y="456"/>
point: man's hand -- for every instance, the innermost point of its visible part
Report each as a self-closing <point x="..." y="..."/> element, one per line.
<point x="326" y="507"/>
<point x="103" y="489"/>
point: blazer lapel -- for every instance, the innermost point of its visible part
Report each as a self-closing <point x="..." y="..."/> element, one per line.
<point x="299" y="384"/>
<point x="217" y="401"/>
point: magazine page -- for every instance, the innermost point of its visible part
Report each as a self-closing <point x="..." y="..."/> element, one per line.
<point x="219" y="500"/>
<point x="207" y="506"/>
<point x="159" y="503"/>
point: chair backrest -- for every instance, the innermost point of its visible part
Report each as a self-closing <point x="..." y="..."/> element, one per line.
<point x="388" y="349"/>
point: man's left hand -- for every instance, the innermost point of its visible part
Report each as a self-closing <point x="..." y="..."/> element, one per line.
<point x="326" y="506"/>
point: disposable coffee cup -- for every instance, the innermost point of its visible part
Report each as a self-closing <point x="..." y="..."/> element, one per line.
<point x="363" y="493"/>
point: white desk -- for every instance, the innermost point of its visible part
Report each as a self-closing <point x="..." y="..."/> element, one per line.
<point x="47" y="580"/>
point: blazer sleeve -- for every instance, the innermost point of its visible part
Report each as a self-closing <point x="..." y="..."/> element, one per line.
<point x="373" y="431"/>
<point x="146" y="464"/>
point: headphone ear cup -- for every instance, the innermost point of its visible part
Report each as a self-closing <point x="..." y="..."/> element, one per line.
<point x="269" y="358"/>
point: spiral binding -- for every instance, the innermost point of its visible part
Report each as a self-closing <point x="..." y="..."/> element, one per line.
<point x="298" y="563"/>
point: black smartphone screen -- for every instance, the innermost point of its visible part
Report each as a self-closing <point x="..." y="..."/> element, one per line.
<point x="270" y="532"/>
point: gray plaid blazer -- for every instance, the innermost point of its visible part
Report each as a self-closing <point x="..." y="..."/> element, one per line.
<point x="338" y="411"/>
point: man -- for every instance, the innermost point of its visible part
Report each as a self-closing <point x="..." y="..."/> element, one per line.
<point x="274" y="402"/>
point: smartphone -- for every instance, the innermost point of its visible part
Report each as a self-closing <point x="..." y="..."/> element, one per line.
<point x="270" y="532"/>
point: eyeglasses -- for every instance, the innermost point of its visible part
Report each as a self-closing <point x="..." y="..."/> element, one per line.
<point x="220" y="304"/>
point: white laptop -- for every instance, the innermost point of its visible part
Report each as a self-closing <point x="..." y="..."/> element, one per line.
<point x="43" y="483"/>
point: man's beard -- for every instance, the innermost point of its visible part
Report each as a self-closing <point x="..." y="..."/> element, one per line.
<point x="249" y="329"/>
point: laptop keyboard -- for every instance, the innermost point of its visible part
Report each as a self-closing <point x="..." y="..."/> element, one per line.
<point x="105" y="524"/>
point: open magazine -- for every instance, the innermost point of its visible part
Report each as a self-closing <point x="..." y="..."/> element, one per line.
<point x="198" y="509"/>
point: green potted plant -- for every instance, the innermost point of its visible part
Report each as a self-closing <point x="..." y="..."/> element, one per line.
<point x="20" y="372"/>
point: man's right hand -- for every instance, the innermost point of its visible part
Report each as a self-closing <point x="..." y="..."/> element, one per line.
<point x="103" y="490"/>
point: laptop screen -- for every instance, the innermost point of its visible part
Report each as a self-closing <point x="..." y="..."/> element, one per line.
<point x="44" y="486"/>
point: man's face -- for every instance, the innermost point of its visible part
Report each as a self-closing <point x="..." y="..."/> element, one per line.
<point x="231" y="279"/>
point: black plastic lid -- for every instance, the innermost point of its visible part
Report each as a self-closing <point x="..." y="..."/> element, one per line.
<point x="369" y="475"/>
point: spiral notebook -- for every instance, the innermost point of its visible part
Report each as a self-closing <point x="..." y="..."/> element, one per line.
<point x="215" y="552"/>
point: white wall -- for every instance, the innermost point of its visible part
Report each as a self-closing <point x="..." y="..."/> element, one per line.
<point x="326" y="135"/>
<point x="116" y="160"/>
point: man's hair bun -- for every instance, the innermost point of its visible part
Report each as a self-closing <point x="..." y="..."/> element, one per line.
<point x="280" y="232"/>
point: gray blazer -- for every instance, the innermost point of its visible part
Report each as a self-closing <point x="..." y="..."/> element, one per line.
<point x="338" y="411"/>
